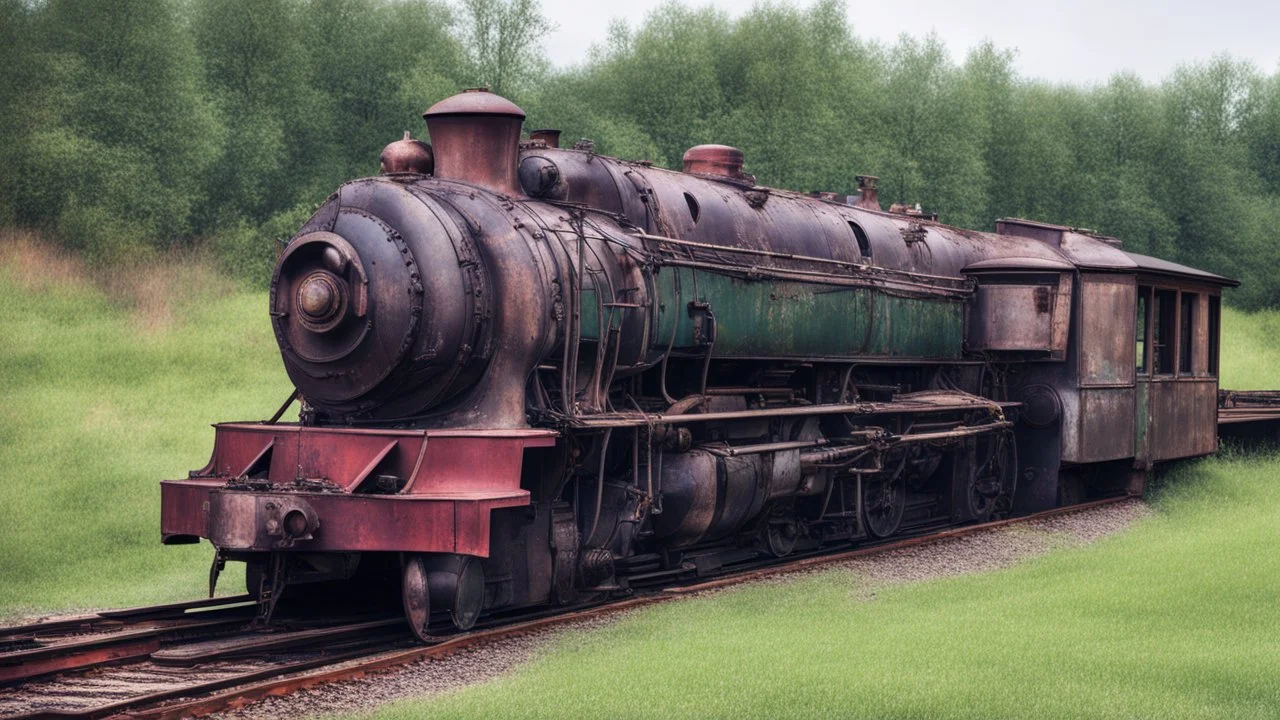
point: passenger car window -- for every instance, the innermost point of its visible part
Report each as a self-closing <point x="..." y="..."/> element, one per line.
<point x="1140" y="331"/>
<point x="1165" y="326"/>
<point x="1215" y="327"/>
<point x="1186" y="337"/>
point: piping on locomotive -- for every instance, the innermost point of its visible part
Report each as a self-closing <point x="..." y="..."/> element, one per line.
<point x="531" y="375"/>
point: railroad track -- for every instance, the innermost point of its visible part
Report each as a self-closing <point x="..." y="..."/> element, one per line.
<point x="191" y="659"/>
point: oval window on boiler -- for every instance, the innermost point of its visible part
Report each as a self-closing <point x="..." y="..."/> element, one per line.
<point x="694" y="210"/>
<point x="864" y="245"/>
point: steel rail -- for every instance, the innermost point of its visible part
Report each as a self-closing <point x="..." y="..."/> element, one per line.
<point x="90" y="652"/>
<point x="196" y="653"/>
<point x="124" y="616"/>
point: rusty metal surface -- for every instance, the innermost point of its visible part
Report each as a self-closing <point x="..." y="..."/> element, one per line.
<point x="453" y="522"/>
<point x="407" y="156"/>
<point x="1015" y="317"/>
<point x="475" y="136"/>
<point x="443" y="486"/>
<point x="1184" y="417"/>
<point x="176" y="691"/>
<point x="1248" y="399"/>
<point x="1106" y="344"/>
<point x="1106" y="425"/>
<point x="547" y="136"/>
<point x="1148" y="264"/>
<point x="732" y="213"/>
<point x="117" y="647"/>
<point x="921" y="403"/>
<point x="1238" y="416"/>
<point x="715" y="160"/>
<point x="425" y="459"/>
<point x="381" y="314"/>
<point x="115" y="618"/>
<point x="1240" y="406"/>
<point x="25" y="669"/>
<point x="1104" y="410"/>
<point x="190" y="654"/>
<point x="1177" y="411"/>
<point x="868" y="192"/>
<point x="1083" y="248"/>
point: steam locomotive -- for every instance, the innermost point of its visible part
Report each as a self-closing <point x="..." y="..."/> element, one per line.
<point x="533" y="375"/>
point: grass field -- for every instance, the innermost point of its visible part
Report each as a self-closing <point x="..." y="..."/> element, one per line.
<point x="99" y="401"/>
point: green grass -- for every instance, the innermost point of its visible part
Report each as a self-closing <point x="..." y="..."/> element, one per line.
<point x="1250" y="350"/>
<point x="99" y="403"/>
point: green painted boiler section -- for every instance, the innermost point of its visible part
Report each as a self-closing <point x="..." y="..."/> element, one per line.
<point x="783" y="318"/>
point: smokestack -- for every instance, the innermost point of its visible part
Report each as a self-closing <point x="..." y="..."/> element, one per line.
<point x="476" y="138"/>
<point x="868" y="192"/>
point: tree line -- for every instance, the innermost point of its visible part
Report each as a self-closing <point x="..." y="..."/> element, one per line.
<point x="128" y="126"/>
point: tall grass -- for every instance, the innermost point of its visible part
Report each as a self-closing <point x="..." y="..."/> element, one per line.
<point x="109" y="385"/>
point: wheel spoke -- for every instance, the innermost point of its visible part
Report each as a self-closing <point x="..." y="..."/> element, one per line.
<point x="884" y="501"/>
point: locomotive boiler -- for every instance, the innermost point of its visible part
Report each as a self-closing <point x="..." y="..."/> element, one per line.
<point x="534" y="375"/>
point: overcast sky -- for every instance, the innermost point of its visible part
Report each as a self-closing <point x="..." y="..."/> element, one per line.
<point x="1083" y="41"/>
